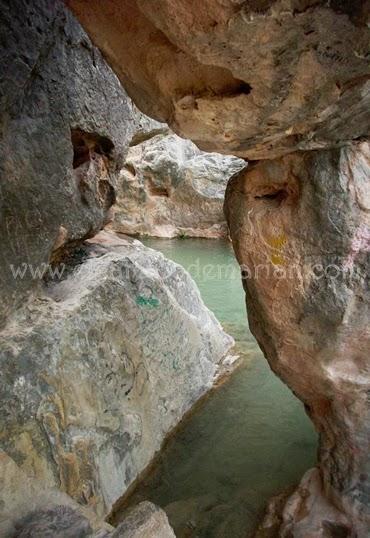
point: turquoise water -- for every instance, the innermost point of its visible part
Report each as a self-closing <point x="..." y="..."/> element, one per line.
<point x="249" y="440"/>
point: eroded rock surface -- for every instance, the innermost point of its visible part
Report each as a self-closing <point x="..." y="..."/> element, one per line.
<point x="145" y="521"/>
<point x="60" y="521"/>
<point x="255" y="78"/>
<point x="99" y="367"/>
<point x="86" y="396"/>
<point x="169" y="188"/>
<point x="65" y="126"/>
<point x="300" y="229"/>
<point x="54" y="522"/>
<point x="22" y="496"/>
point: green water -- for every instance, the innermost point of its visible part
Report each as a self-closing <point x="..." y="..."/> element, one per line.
<point x="249" y="440"/>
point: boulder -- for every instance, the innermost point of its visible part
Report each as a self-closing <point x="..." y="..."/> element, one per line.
<point x="256" y="79"/>
<point x="144" y="521"/>
<point x="54" y="522"/>
<point x="100" y="366"/>
<point x="300" y="228"/>
<point x="168" y="188"/>
<point x="102" y="354"/>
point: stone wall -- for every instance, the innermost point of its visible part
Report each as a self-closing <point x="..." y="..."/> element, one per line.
<point x="301" y="231"/>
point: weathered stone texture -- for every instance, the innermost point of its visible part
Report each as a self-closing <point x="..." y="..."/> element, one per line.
<point x="65" y="123"/>
<point x="60" y="521"/>
<point x="98" y="368"/>
<point x="145" y="521"/>
<point x="256" y="79"/>
<point x="300" y="227"/>
<point x="22" y="495"/>
<point x="168" y="188"/>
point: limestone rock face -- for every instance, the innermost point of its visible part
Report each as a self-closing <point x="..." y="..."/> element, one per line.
<point x="65" y="126"/>
<point x="168" y="188"/>
<point x="300" y="230"/>
<point x="100" y="366"/>
<point x="256" y="78"/>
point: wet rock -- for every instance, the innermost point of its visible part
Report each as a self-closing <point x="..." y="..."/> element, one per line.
<point x="306" y="512"/>
<point x="256" y="79"/>
<point x="144" y="521"/>
<point x="271" y="524"/>
<point x="300" y="230"/>
<point x="168" y="188"/>
<point x="101" y="365"/>
<point x="66" y="123"/>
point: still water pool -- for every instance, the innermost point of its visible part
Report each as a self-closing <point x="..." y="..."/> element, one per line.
<point x="249" y="440"/>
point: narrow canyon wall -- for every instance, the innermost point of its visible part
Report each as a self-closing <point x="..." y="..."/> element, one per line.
<point x="169" y="188"/>
<point x="300" y="229"/>
<point x="65" y="127"/>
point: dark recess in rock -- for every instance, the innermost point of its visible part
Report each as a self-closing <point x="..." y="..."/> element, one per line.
<point x="62" y="112"/>
<point x="357" y="10"/>
<point x="86" y="144"/>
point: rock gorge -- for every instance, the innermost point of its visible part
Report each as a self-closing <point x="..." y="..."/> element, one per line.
<point x="284" y="84"/>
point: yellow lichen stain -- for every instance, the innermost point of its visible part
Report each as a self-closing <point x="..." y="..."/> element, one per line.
<point x="277" y="243"/>
<point x="276" y="259"/>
